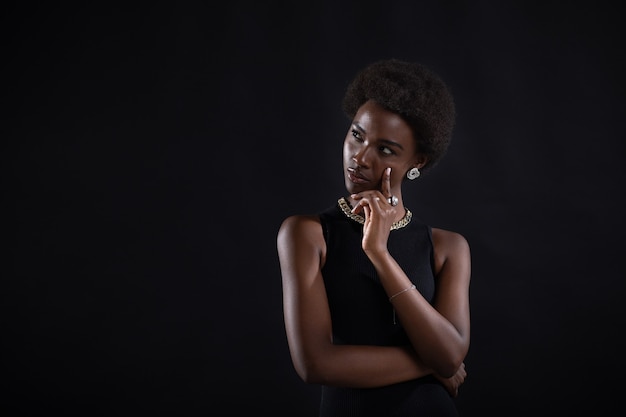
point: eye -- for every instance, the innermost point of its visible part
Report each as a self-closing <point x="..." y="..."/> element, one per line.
<point x="386" y="150"/>
<point x="357" y="135"/>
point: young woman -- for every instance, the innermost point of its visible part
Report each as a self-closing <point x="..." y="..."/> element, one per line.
<point x="376" y="303"/>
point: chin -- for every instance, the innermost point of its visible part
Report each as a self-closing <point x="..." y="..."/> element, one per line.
<point x="350" y="188"/>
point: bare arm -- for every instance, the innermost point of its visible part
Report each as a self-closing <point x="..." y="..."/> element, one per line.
<point x="439" y="333"/>
<point x="301" y="250"/>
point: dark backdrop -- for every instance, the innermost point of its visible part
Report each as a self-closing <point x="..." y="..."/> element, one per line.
<point x="150" y="153"/>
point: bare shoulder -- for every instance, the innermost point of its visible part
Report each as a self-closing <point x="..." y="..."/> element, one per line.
<point x="299" y="223"/>
<point x="448" y="240"/>
<point x="449" y="245"/>
<point x="300" y="227"/>
<point x="300" y="242"/>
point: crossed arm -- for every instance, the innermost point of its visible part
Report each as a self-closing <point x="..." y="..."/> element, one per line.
<point x="439" y="333"/>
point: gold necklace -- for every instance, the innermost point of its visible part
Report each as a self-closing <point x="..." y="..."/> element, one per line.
<point x="345" y="207"/>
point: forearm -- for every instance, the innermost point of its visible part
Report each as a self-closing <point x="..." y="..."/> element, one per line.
<point x="358" y="366"/>
<point x="437" y="342"/>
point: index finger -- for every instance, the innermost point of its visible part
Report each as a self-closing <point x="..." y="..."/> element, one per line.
<point x="386" y="183"/>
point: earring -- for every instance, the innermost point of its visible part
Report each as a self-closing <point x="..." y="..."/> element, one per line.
<point x="413" y="173"/>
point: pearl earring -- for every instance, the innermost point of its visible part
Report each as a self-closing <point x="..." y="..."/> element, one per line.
<point x="413" y="173"/>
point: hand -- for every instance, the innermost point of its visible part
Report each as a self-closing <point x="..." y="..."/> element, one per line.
<point x="379" y="214"/>
<point x="453" y="383"/>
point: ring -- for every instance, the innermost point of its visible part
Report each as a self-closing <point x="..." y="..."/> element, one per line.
<point x="393" y="200"/>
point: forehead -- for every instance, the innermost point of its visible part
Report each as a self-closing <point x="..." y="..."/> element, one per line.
<point x="377" y="121"/>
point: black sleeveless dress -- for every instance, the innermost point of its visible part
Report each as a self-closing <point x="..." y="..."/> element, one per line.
<point x="362" y="315"/>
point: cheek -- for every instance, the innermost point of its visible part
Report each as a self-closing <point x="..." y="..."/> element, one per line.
<point x="348" y="150"/>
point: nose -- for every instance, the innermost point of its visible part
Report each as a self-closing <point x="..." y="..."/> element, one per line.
<point x="361" y="157"/>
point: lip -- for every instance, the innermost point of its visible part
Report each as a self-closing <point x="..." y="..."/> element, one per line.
<point x="356" y="177"/>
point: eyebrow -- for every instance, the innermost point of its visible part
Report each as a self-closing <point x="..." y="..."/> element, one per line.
<point x="387" y="142"/>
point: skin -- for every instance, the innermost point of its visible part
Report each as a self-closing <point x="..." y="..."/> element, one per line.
<point x="379" y="149"/>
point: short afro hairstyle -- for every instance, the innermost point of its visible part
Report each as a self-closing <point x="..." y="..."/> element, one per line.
<point x="416" y="94"/>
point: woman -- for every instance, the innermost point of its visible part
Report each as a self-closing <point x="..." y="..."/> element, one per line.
<point x="376" y="303"/>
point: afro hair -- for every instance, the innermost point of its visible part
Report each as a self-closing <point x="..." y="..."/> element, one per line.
<point x="416" y="94"/>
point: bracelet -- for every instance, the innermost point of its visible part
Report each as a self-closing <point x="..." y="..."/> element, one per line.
<point x="412" y="287"/>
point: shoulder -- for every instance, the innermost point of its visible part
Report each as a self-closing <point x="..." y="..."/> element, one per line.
<point x="299" y="226"/>
<point x="447" y="239"/>
<point x="299" y="222"/>
<point x="449" y="245"/>
<point x="300" y="237"/>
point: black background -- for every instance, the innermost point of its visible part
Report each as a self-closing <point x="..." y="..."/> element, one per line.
<point x="151" y="151"/>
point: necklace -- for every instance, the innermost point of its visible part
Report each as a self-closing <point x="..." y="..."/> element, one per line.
<point x="345" y="207"/>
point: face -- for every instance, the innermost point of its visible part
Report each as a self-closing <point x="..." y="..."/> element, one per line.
<point x="376" y="140"/>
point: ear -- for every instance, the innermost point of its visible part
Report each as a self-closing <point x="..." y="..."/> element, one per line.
<point x="420" y="160"/>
